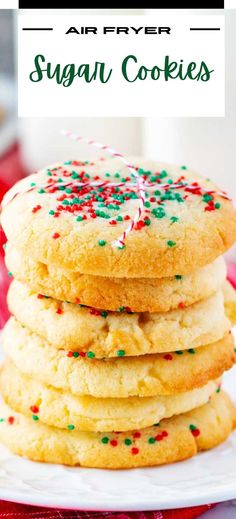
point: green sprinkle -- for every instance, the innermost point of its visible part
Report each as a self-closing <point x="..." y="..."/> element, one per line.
<point x="217" y="205"/>
<point x="90" y="354"/>
<point x="178" y="197"/>
<point x="156" y="424"/>
<point x="163" y="173"/>
<point x="35" y="417"/>
<point x="218" y="389"/>
<point x="75" y="354"/>
<point x="49" y="174"/>
<point x="104" y="313"/>
<point x="192" y="427"/>
<point x="10" y="274"/>
<point x="191" y="350"/>
<point x="40" y="191"/>
<point x="107" y="174"/>
<point x="127" y="441"/>
<point x="70" y="427"/>
<point x="4" y="246"/>
<point x="102" y="214"/>
<point x="79" y="218"/>
<point x="147" y="221"/>
<point x="121" y="247"/>
<point x="120" y="353"/>
<point x="119" y="218"/>
<point x="207" y="197"/>
<point x="117" y="175"/>
<point x="2" y="420"/>
<point x="147" y="204"/>
<point x="158" y="212"/>
<point x="68" y="163"/>
<point x="184" y="167"/>
<point x="174" y="219"/>
<point x="51" y="212"/>
<point x="105" y="439"/>
<point x="171" y="243"/>
<point x="178" y="276"/>
<point x="68" y="190"/>
<point x="101" y="243"/>
<point x="74" y="175"/>
<point x="180" y="352"/>
<point x="151" y="439"/>
<point x="32" y="184"/>
<point x="154" y="178"/>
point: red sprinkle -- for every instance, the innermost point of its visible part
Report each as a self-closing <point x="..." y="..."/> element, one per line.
<point x="181" y="305"/>
<point x="209" y="208"/>
<point x="69" y="354"/>
<point x="159" y="437"/>
<point x="56" y="235"/>
<point x="34" y="409"/>
<point x="40" y="296"/>
<point x="11" y="420"/>
<point x="113" y="222"/>
<point x="134" y="450"/>
<point x="168" y="356"/>
<point x="137" y="435"/>
<point x="36" y="208"/>
<point x="195" y="432"/>
<point x="139" y="225"/>
<point x="59" y="311"/>
<point x="94" y="311"/>
<point x="114" y="443"/>
<point x="164" y="434"/>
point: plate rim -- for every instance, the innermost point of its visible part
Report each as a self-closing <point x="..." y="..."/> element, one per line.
<point x="117" y="506"/>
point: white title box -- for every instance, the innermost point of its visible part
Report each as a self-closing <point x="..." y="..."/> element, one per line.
<point x="8" y="4"/>
<point x="134" y="65"/>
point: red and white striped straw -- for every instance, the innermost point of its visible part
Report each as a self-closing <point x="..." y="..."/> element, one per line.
<point x="120" y="242"/>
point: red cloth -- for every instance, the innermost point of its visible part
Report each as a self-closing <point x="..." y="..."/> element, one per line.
<point x="231" y="274"/>
<point x="15" y="511"/>
<point x="11" y="170"/>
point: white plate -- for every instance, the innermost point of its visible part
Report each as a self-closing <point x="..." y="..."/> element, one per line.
<point x="207" y="478"/>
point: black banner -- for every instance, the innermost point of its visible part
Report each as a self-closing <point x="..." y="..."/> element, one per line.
<point x="122" y="4"/>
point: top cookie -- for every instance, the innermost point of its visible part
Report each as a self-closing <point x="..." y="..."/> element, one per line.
<point x="59" y="216"/>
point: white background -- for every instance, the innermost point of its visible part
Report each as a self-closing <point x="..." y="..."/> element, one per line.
<point x="118" y="97"/>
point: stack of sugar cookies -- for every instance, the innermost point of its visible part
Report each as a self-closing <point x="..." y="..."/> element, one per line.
<point x="118" y="339"/>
